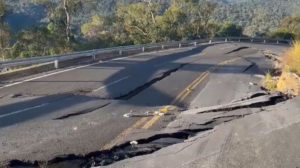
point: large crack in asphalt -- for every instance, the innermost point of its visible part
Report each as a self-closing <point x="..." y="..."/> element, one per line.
<point x="117" y="153"/>
<point x="253" y="102"/>
<point x="85" y="111"/>
<point x="148" y="84"/>
<point x="238" y="49"/>
<point x="155" y="142"/>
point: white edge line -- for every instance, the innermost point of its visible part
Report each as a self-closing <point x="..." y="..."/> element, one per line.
<point x="59" y="72"/>
<point x="23" y="110"/>
<point x="112" y="83"/>
<point x="71" y="69"/>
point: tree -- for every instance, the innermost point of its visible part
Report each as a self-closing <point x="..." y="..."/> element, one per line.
<point x="71" y="7"/>
<point x="172" y="23"/>
<point x="60" y="15"/>
<point x="5" y="35"/>
<point x="292" y="25"/>
<point x="2" y="9"/>
<point x="99" y="32"/>
<point x="95" y="28"/>
<point x="230" y="30"/>
<point x="140" y="21"/>
<point x="282" y="34"/>
<point x="200" y="14"/>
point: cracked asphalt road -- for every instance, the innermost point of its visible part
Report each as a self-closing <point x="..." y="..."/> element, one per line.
<point x="80" y="111"/>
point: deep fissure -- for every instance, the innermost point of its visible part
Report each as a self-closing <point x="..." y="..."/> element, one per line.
<point x="142" y="146"/>
<point x="117" y="153"/>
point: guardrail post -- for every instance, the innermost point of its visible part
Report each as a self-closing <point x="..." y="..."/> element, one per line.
<point x="94" y="56"/>
<point x="120" y="52"/>
<point x="179" y="45"/>
<point x="56" y="65"/>
<point x="162" y="47"/>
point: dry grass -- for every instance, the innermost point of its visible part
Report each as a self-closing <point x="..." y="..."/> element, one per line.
<point x="270" y="83"/>
<point x="288" y="83"/>
<point x="291" y="60"/>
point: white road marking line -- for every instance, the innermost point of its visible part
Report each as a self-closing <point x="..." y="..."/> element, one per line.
<point x="112" y="83"/>
<point x="59" y="72"/>
<point x="43" y="76"/>
<point x="23" y="110"/>
<point x="71" y="69"/>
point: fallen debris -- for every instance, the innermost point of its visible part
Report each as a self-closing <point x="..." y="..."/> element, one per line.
<point x="160" y="112"/>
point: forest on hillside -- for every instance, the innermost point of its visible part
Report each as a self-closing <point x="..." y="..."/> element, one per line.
<point x="47" y="27"/>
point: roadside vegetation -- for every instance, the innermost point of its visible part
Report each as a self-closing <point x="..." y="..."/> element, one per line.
<point x="291" y="60"/>
<point x="288" y="81"/>
<point x="270" y="82"/>
<point x="66" y="28"/>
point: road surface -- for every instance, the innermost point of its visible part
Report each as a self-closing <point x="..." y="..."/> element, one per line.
<point x="81" y="109"/>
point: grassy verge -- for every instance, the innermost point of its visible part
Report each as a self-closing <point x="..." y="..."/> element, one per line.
<point x="291" y="60"/>
<point x="287" y="82"/>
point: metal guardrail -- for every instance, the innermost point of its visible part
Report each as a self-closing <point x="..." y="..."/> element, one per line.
<point x="142" y="48"/>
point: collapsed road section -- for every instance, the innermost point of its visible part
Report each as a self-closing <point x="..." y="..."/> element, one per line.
<point x="224" y="95"/>
<point x="167" y="137"/>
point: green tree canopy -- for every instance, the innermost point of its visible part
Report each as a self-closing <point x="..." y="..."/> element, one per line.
<point x="230" y="30"/>
<point x="282" y="34"/>
<point x="2" y="9"/>
<point x="172" y="23"/>
<point x="140" y="21"/>
<point x="292" y="25"/>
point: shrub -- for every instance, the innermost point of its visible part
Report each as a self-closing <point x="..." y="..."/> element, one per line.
<point x="282" y="34"/>
<point x="270" y="83"/>
<point x="291" y="60"/>
<point x="289" y="84"/>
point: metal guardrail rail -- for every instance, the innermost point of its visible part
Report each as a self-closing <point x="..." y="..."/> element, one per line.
<point x="142" y="48"/>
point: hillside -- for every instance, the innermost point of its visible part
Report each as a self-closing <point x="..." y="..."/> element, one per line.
<point x="256" y="16"/>
<point x="48" y="27"/>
